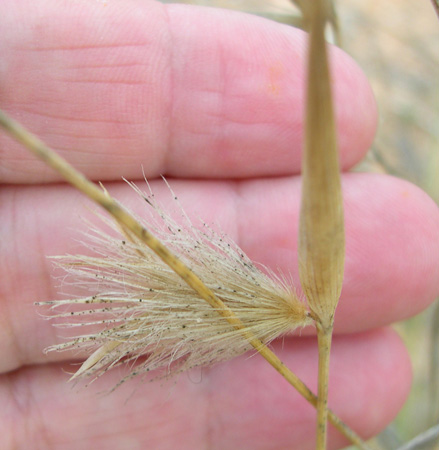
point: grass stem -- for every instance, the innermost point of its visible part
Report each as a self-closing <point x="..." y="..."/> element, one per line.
<point x="324" y="337"/>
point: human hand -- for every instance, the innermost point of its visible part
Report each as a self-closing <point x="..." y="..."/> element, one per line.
<point x="214" y="100"/>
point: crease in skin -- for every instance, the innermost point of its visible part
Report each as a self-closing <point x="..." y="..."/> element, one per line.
<point x="71" y="118"/>
<point x="97" y="82"/>
<point x="81" y="48"/>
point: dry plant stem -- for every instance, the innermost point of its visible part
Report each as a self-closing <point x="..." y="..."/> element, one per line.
<point x="331" y="17"/>
<point x="428" y="438"/>
<point x="324" y="337"/>
<point x="321" y="231"/>
<point x="126" y="221"/>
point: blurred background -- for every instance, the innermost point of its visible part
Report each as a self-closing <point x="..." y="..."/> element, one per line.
<point x="397" y="44"/>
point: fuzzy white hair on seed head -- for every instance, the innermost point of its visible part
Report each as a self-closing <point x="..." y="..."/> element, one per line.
<point x="137" y="309"/>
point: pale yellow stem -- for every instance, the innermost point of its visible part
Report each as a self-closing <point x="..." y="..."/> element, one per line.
<point x="324" y="337"/>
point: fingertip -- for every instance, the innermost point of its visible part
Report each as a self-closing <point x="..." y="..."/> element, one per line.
<point x="356" y="108"/>
<point x="392" y="274"/>
<point x="256" y="86"/>
<point x="371" y="394"/>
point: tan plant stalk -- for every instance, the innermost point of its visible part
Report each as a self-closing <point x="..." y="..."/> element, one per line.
<point x="136" y="231"/>
<point x="330" y="15"/>
<point x="321" y="231"/>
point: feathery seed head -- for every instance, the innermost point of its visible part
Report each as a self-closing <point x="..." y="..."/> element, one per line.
<point x="138" y="309"/>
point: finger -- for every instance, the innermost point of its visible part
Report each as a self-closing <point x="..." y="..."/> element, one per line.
<point x="240" y="404"/>
<point x="183" y="91"/>
<point x="392" y="254"/>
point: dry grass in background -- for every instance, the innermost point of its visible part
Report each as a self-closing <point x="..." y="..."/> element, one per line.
<point x="395" y="42"/>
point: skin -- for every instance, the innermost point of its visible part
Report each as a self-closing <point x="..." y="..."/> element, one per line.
<point x="212" y="100"/>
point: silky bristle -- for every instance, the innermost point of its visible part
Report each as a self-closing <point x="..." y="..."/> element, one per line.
<point x="138" y="309"/>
